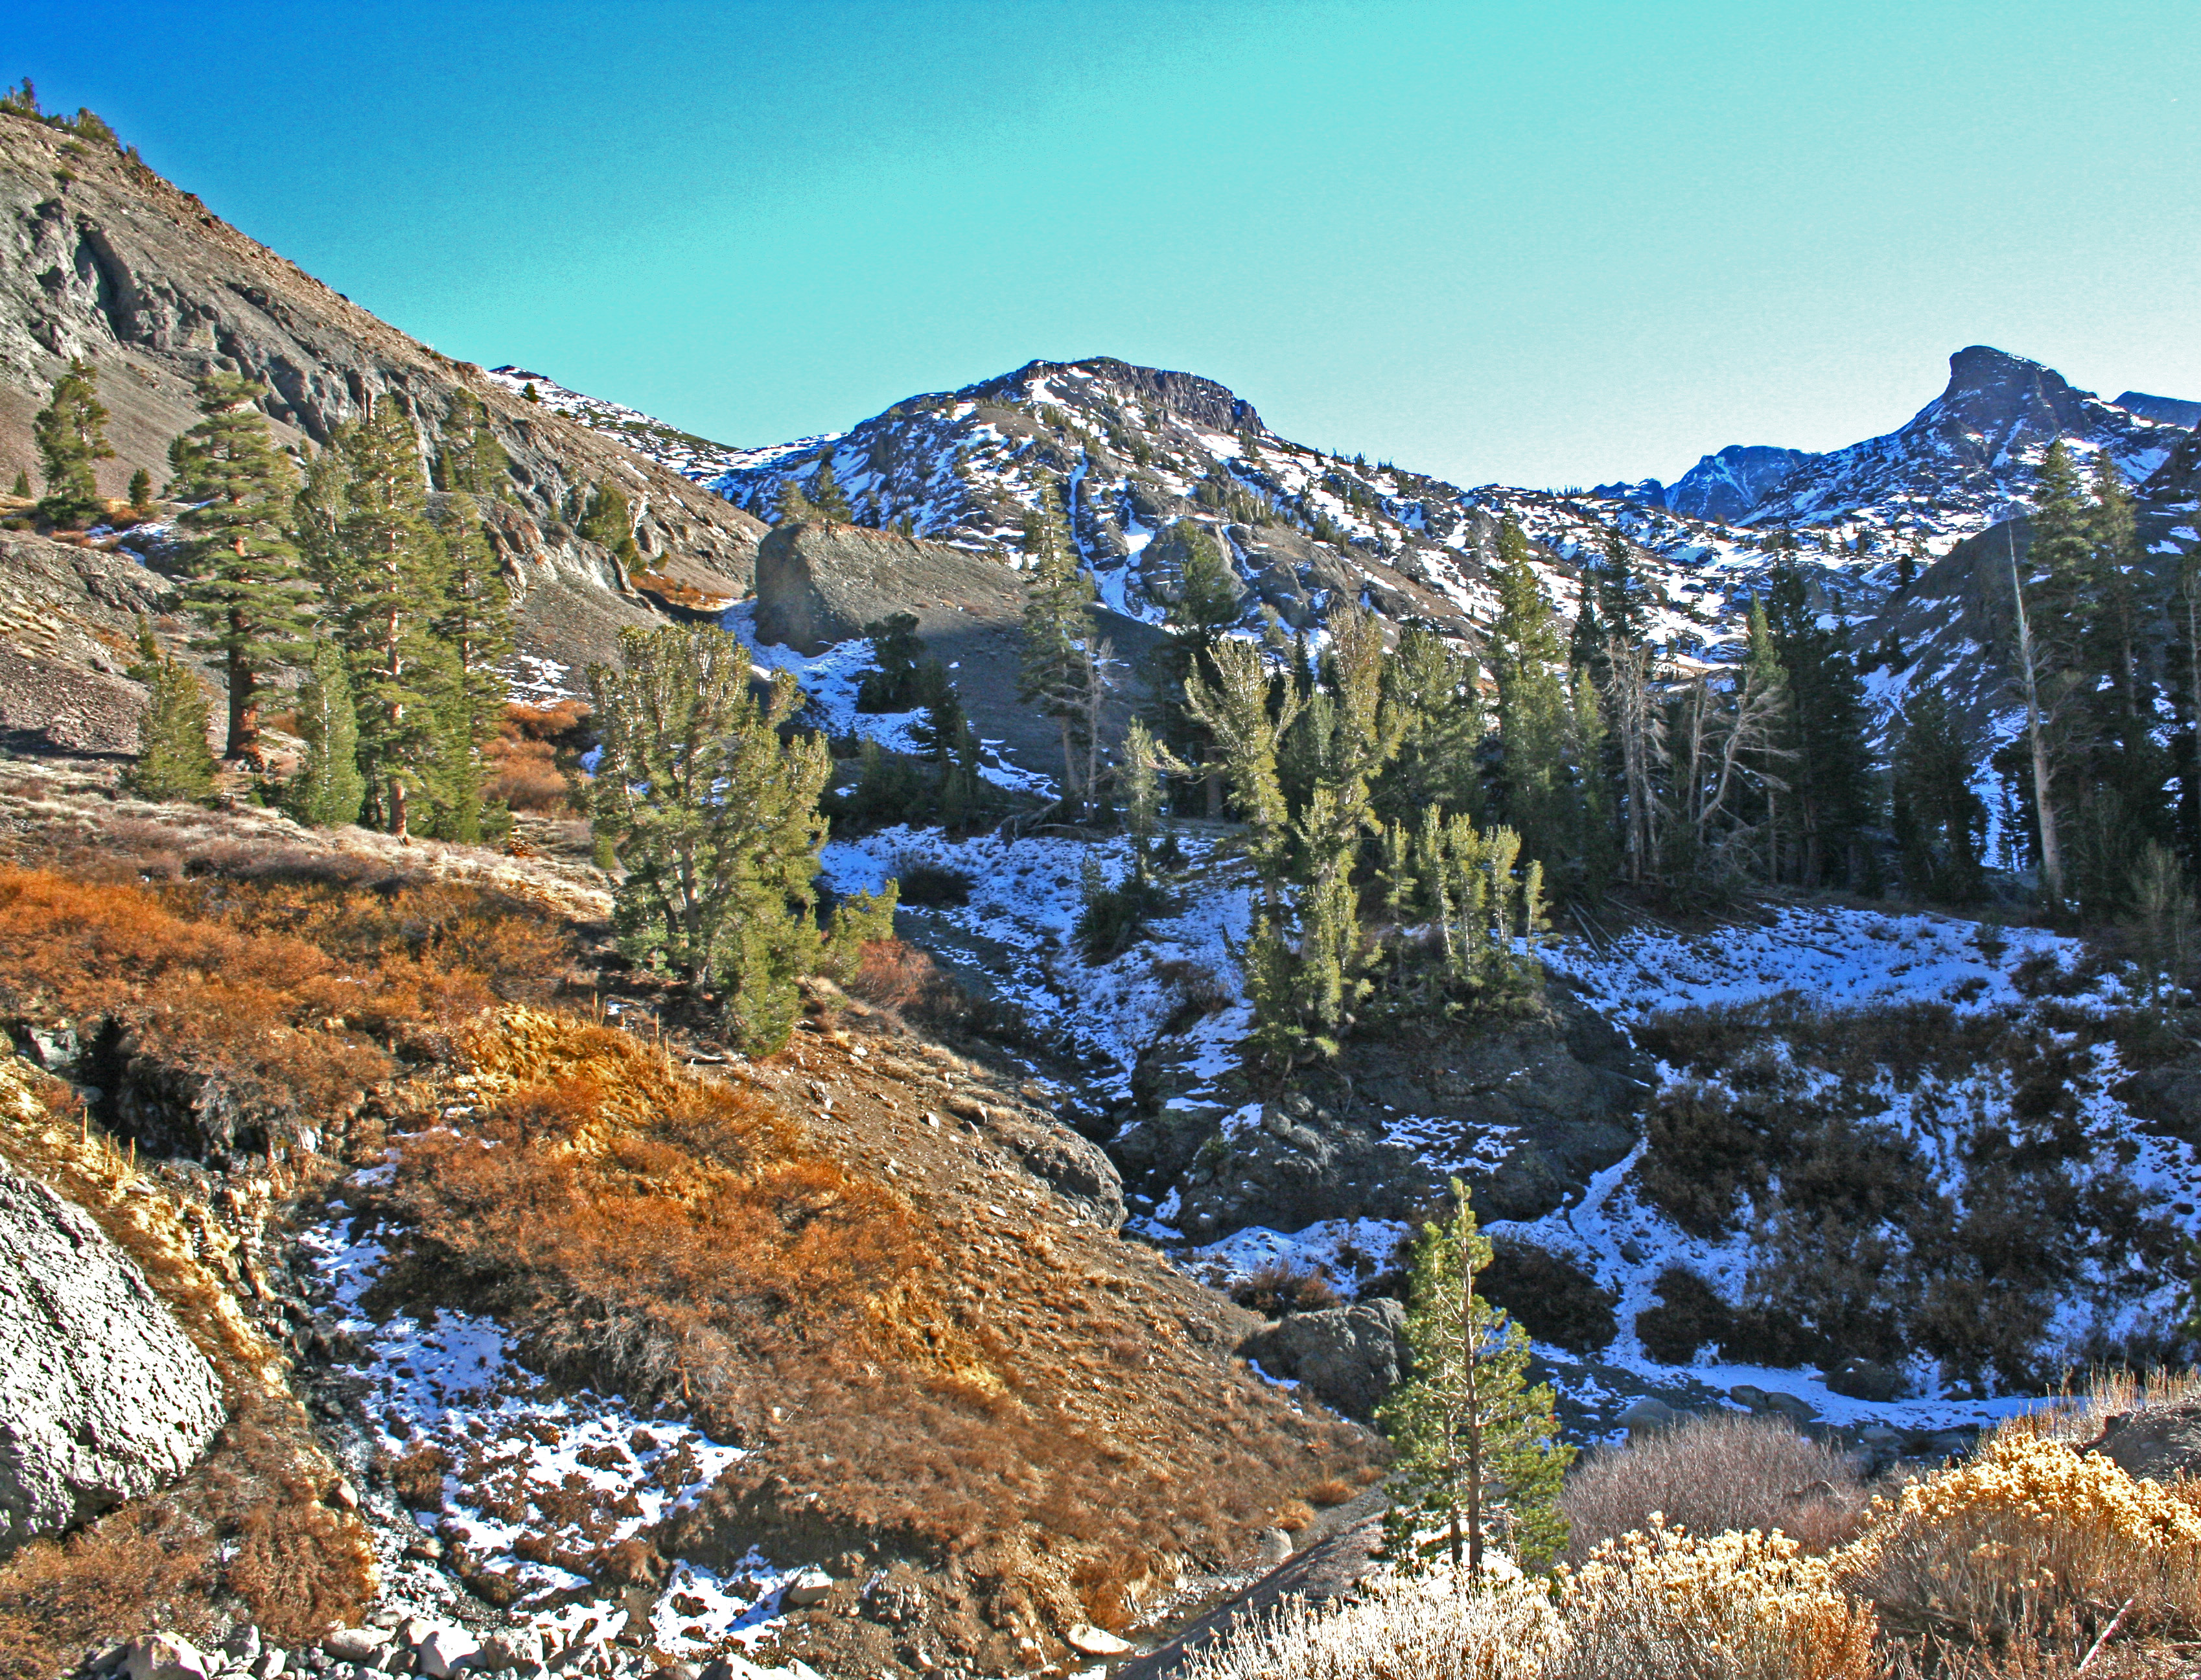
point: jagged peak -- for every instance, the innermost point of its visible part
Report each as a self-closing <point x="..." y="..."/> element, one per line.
<point x="1190" y="397"/>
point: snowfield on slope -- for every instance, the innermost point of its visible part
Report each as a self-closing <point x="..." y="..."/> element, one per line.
<point x="530" y="1472"/>
<point x="1025" y="899"/>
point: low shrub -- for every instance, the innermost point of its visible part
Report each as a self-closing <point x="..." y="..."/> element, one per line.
<point x="1549" y="1295"/>
<point x="1276" y="1288"/>
<point x="534" y="758"/>
<point x="1690" y="1314"/>
<point x="1667" y="1605"/>
<point x="933" y="885"/>
<point x="2028" y="1530"/>
<point x="1710" y="1474"/>
<point x="1401" y="1628"/>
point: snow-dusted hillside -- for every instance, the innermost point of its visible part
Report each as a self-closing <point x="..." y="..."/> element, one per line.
<point x="696" y="459"/>
<point x="1145" y="459"/>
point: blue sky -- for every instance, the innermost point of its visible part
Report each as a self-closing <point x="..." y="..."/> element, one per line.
<point x="1545" y="244"/>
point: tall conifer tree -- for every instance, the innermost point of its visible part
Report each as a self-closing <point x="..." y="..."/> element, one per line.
<point x="244" y="579"/>
<point x="71" y="433"/>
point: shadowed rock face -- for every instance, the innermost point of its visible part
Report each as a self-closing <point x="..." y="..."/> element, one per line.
<point x="101" y="1399"/>
<point x="821" y="582"/>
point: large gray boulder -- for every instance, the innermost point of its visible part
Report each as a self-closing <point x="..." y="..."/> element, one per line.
<point x="818" y="584"/>
<point x="1347" y="1357"/>
<point x="102" y="1398"/>
<point x="2159" y="1442"/>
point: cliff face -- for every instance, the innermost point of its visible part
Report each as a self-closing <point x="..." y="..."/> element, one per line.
<point x="102" y="259"/>
<point x="102" y="1398"/>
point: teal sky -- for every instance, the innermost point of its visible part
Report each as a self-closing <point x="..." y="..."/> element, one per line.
<point x="1546" y="244"/>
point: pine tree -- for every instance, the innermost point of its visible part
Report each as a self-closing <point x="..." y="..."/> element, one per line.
<point x="713" y="817"/>
<point x="1247" y="717"/>
<point x="328" y="790"/>
<point x="1477" y="1444"/>
<point x="469" y="459"/>
<point x="1207" y="605"/>
<point x="529" y="394"/>
<point x="22" y="485"/>
<point x="1939" y="821"/>
<point x="1536" y="723"/>
<point x="141" y="493"/>
<point x="174" y="762"/>
<point x="1058" y="673"/>
<point x="70" y="434"/>
<point x="897" y="651"/>
<point x="609" y="520"/>
<point x="362" y="518"/>
<point x="1831" y="767"/>
<point x="792" y="507"/>
<point x="242" y="576"/>
<point x="473" y="627"/>
<point x="826" y="494"/>
<point x="1433" y="686"/>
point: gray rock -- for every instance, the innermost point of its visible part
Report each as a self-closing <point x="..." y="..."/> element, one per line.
<point x="267" y="1665"/>
<point x="2159" y="1442"/>
<point x="818" y="584"/>
<point x="102" y="1398"/>
<point x="1647" y="1416"/>
<point x="357" y="1644"/>
<point x="164" y="1656"/>
<point x="1347" y="1357"/>
<point x="243" y="1643"/>
<point x="812" y="1587"/>
<point x="445" y="1652"/>
<point x="1326" y="1572"/>
<point x="1866" y="1379"/>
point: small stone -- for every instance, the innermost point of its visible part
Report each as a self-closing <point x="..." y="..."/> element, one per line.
<point x="267" y="1665"/>
<point x="243" y="1643"/>
<point x="164" y="1656"/>
<point x="1868" y="1380"/>
<point x="810" y="1588"/>
<point x="446" y="1652"/>
<point x="1647" y="1416"/>
<point x="1096" y="1641"/>
<point x="356" y="1645"/>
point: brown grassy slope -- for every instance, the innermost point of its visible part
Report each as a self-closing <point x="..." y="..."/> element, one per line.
<point x="229" y="988"/>
<point x="930" y="1355"/>
<point x="256" y="1525"/>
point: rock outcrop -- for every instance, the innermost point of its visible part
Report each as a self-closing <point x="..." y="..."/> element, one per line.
<point x="1530" y="1109"/>
<point x="102" y="1398"/>
<point x="821" y="582"/>
<point x="2159" y="1442"/>
<point x="101" y="258"/>
<point x="1347" y="1357"/>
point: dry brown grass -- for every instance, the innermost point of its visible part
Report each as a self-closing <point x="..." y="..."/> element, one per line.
<point x="523" y="761"/>
<point x="956" y="1388"/>
<point x="1712" y="1474"/>
<point x="248" y="1524"/>
<point x="145" y="1567"/>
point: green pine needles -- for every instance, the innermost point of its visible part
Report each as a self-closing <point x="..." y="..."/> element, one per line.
<point x="174" y="764"/>
<point x="328" y="790"/>
<point x="711" y="811"/>
<point x="1479" y="1457"/>
<point x="243" y="578"/>
<point x="70" y="433"/>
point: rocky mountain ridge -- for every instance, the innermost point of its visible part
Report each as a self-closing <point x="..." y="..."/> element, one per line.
<point x="103" y="260"/>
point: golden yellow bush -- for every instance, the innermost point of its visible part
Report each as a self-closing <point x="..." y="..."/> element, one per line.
<point x="2028" y="1530"/>
<point x="1727" y="1607"/>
